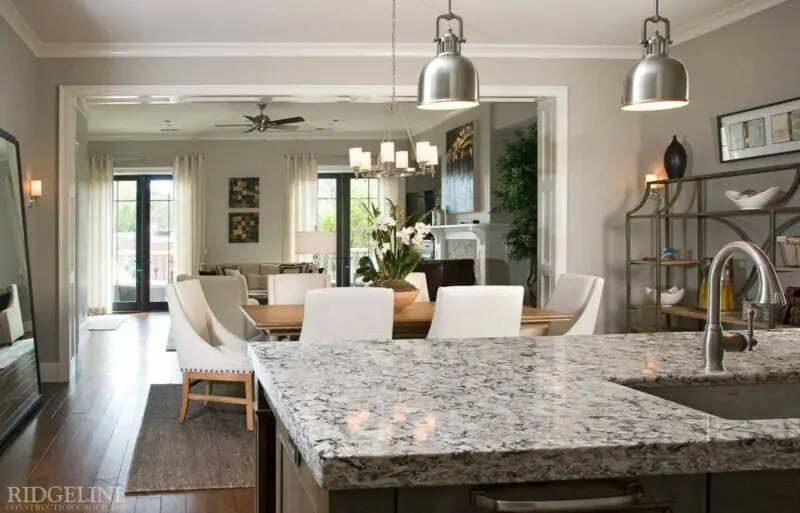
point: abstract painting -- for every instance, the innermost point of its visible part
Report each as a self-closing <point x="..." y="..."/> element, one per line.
<point x="459" y="173"/>
<point x="243" y="193"/>
<point x="242" y="227"/>
<point x="772" y="129"/>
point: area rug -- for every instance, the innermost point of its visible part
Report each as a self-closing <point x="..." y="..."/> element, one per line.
<point x="212" y="449"/>
<point x="106" y="322"/>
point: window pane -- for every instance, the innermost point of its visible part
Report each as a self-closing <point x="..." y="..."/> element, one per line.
<point x="124" y="240"/>
<point x="125" y="190"/>
<point x="162" y="239"/>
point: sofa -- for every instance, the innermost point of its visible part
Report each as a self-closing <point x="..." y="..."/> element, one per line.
<point x="255" y="274"/>
<point x="11" y="326"/>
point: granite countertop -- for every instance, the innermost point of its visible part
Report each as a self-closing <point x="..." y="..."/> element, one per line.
<point x="481" y="411"/>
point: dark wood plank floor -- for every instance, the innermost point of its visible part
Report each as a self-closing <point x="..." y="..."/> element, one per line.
<point x="84" y="433"/>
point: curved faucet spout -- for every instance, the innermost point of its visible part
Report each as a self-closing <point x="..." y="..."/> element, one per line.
<point x="715" y="341"/>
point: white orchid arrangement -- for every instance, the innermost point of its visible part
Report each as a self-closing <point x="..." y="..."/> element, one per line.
<point x="392" y="237"/>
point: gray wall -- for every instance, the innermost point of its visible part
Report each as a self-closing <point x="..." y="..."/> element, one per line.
<point x="18" y="117"/>
<point x="744" y="65"/>
<point x="226" y="159"/>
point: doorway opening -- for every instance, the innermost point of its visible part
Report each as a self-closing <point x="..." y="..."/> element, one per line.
<point x="341" y="201"/>
<point x="143" y="241"/>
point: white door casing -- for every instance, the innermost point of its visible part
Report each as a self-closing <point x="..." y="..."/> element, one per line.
<point x="69" y="96"/>
<point x="547" y="200"/>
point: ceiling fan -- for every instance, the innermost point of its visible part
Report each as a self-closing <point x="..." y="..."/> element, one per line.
<point x="262" y="122"/>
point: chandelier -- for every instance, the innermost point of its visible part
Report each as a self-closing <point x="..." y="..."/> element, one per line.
<point x="390" y="163"/>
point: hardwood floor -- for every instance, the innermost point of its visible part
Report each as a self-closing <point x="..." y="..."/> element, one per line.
<point x="84" y="433"/>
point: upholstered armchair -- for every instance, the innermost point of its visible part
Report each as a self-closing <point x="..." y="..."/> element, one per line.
<point x="207" y="351"/>
<point x="11" y="327"/>
<point x="225" y="294"/>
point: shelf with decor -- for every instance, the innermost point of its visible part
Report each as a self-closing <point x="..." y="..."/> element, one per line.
<point x="681" y="206"/>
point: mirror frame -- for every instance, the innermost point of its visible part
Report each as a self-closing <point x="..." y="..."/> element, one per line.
<point x="31" y="404"/>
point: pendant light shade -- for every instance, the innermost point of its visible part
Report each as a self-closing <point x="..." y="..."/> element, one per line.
<point x="657" y="81"/>
<point x="450" y="81"/>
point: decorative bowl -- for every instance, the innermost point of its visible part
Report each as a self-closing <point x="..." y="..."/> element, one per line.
<point x="404" y="299"/>
<point x="747" y="200"/>
<point x="669" y="297"/>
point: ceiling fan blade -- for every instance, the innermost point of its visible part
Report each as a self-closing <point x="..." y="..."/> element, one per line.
<point x="251" y="119"/>
<point x="225" y="126"/>
<point x="286" y="121"/>
<point x="249" y="130"/>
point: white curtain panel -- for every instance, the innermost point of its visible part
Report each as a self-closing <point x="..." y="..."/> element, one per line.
<point x="393" y="189"/>
<point x="189" y="179"/>
<point x="301" y="200"/>
<point x="101" y="222"/>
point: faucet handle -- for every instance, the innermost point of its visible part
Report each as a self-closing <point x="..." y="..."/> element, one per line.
<point x="751" y="319"/>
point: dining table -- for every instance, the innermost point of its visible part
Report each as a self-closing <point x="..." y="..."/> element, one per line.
<point x="414" y="321"/>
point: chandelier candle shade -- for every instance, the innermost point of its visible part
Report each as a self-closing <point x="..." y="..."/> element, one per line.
<point x="393" y="163"/>
<point x="449" y="81"/>
<point x="657" y="81"/>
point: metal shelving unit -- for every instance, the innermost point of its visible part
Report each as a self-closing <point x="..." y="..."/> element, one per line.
<point x="665" y="215"/>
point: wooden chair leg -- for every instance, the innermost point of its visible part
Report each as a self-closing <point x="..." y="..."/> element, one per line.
<point x="209" y="385"/>
<point x="184" y="397"/>
<point x="248" y="395"/>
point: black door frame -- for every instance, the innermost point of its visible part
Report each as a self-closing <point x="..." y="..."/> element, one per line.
<point x="142" y="303"/>
<point x="342" y="227"/>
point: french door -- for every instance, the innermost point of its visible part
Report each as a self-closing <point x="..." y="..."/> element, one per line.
<point x="143" y="242"/>
<point x="341" y="198"/>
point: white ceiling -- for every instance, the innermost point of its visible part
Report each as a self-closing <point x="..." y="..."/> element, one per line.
<point x="197" y="120"/>
<point x="601" y="28"/>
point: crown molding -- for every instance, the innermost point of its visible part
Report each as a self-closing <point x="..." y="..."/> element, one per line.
<point x="410" y="50"/>
<point x="723" y="18"/>
<point x="272" y="136"/>
<point x="20" y="26"/>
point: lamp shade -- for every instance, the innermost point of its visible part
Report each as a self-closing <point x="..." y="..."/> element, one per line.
<point x="315" y="243"/>
<point x="449" y="81"/>
<point x="657" y="82"/>
<point x="36" y="188"/>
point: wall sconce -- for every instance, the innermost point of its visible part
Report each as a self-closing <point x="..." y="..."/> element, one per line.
<point x="655" y="188"/>
<point x="34" y="193"/>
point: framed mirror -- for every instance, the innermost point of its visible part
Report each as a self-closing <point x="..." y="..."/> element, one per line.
<point x="20" y="388"/>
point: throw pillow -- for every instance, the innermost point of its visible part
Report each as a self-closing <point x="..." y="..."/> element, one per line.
<point x="207" y="273"/>
<point x="232" y="272"/>
<point x="222" y="268"/>
<point x="293" y="268"/>
<point x="257" y="281"/>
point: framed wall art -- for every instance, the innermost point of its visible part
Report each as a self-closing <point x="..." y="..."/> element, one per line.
<point x="459" y="170"/>
<point x="242" y="227"/>
<point x="772" y="129"/>
<point x="243" y="193"/>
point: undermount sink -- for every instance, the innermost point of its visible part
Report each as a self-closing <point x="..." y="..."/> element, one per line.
<point x="737" y="402"/>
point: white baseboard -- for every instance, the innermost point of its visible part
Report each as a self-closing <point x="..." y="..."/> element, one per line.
<point x="49" y="372"/>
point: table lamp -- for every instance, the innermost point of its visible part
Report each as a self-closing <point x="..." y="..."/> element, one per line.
<point x="315" y="243"/>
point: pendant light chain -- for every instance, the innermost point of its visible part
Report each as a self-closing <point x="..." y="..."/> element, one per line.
<point x="394" y="50"/>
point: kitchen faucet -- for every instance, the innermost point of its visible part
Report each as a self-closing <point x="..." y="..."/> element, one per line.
<point x="715" y="341"/>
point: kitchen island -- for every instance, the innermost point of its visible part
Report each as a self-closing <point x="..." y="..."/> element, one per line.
<point x="463" y="425"/>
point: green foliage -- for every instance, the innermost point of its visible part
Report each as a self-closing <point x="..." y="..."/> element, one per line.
<point x="392" y="237"/>
<point x="517" y="196"/>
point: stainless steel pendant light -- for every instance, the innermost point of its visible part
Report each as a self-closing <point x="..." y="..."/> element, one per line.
<point x="450" y="81"/>
<point x="658" y="81"/>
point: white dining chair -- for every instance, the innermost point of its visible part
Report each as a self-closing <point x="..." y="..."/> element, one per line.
<point x="579" y="295"/>
<point x="349" y="313"/>
<point x="207" y="351"/>
<point x="291" y="289"/>
<point x="477" y="312"/>
<point x="225" y="295"/>
<point x="420" y="281"/>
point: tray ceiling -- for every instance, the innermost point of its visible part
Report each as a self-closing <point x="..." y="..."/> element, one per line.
<point x="604" y="28"/>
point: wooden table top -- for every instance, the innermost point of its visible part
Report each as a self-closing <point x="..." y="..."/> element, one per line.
<point x="290" y="317"/>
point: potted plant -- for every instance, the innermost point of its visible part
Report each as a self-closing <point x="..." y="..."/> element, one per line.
<point x="393" y="236"/>
<point x="516" y="195"/>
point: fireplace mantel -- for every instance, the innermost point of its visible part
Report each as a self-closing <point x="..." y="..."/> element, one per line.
<point x="491" y="265"/>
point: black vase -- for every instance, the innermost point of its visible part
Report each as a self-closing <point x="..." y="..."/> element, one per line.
<point x="675" y="159"/>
